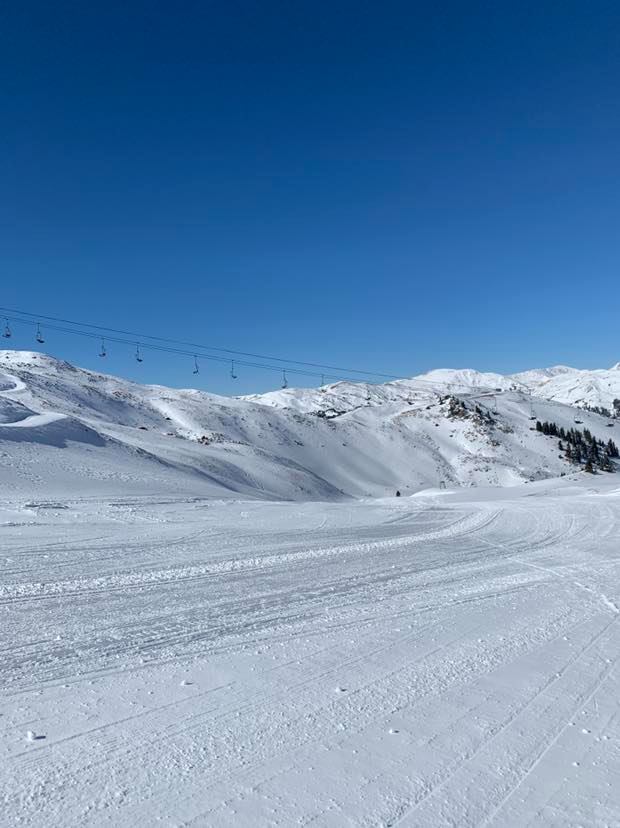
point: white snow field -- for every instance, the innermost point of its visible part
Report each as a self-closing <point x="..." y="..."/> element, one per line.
<point x="234" y="632"/>
<point x="442" y="659"/>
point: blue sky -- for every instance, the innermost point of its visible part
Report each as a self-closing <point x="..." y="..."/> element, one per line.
<point x="385" y="185"/>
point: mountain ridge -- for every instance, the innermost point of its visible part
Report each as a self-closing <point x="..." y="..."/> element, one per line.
<point x="447" y="427"/>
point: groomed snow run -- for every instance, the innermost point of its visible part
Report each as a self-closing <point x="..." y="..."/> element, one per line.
<point x="446" y="659"/>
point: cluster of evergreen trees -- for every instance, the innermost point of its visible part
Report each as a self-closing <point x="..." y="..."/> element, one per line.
<point x="458" y="408"/>
<point x="600" y="409"/>
<point x="605" y="412"/>
<point x="582" y="447"/>
<point x="484" y="415"/>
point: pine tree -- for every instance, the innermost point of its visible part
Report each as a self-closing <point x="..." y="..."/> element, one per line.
<point x="606" y="464"/>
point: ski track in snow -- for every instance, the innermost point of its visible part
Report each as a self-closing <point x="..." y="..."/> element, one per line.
<point x="415" y="662"/>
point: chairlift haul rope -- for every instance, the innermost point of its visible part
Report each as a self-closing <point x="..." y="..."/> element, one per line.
<point x="108" y="335"/>
<point x="139" y="346"/>
<point x="140" y="337"/>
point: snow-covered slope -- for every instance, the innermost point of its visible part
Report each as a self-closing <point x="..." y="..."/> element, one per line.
<point x="64" y="428"/>
<point x="559" y="383"/>
<point x="457" y="379"/>
<point x="174" y="653"/>
<point x="574" y="387"/>
<point x="427" y="661"/>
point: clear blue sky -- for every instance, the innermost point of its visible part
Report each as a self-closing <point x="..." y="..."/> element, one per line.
<point x="398" y="186"/>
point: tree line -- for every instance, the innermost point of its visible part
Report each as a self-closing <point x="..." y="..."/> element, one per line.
<point x="605" y="412"/>
<point x="581" y="447"/>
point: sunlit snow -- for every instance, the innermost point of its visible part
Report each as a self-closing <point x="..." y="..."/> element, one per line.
<point x="215" y="612"/>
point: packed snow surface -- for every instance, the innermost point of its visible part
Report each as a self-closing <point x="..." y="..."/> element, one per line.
<point x="448" y="658"/>
<point x="212" y="614"/>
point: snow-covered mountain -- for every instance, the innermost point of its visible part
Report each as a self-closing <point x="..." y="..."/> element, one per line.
<point x="64" y="428"/>
<point x="575" y="387"/>
<point x="572" y="386"/>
